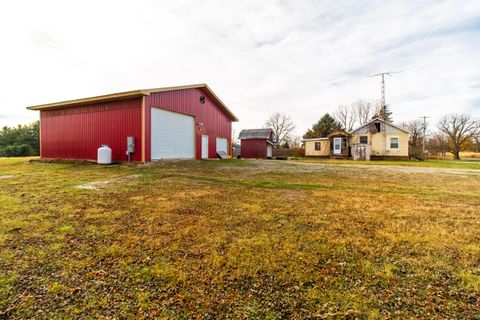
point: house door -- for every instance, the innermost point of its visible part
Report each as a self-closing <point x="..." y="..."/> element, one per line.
<point x="361" y="153"/>
<point x="337" y="145"/>
<point x="204" y="147"/>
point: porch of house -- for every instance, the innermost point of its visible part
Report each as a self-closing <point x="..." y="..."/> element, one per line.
<point x="339" y="146"/>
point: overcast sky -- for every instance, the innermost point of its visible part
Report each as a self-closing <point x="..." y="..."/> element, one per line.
<point x="303" y="58"/>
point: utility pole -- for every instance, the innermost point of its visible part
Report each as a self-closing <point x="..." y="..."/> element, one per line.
<point x="424" y="134"/>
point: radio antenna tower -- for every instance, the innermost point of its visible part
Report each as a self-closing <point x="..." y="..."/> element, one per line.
<point x="382" y="74"/>
<point x="383" y="107"/>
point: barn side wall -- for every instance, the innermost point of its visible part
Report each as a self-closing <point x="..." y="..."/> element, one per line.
<point x="253" y="148"/>
<point x="77" y="132"/>
<point x="210" y="119"/>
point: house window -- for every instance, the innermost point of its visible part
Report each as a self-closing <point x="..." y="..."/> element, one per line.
<point x="317" y="146"/>
<point x="393" y="143"/>
<point x="363" y="139"/>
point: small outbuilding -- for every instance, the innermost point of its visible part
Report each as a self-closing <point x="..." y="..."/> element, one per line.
<point x="184" y="122"/>
<point x="335" y="145"/>
<point x="317" y="147"/>
<point x="256" y="143"/>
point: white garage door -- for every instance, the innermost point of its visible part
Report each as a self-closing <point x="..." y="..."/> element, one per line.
<point x="172" y="135"/>
<point x="222" y="145"/>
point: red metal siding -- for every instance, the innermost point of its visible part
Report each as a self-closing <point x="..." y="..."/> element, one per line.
<point x="253" y="148"/>
<point x="77" y="132"/>
<point x="187" y="101"/>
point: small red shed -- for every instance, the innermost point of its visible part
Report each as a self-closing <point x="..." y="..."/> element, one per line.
<point x="184" y="122"/>
<point x="256" y="143"/>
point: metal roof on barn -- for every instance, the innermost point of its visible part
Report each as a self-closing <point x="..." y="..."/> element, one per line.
<point x="135" y="94"/>
<point x="255" y="134"/>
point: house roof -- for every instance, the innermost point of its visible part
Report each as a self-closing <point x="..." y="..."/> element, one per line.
<point x="315" y="139"/>
<point x="381" y="120"/>
<point x="338" y="133"/>
<point x="134" y="94"/>
<point x="255" y="134"/>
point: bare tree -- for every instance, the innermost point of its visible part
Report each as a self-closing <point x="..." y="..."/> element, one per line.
<point x="476" y="140"/>
<point x="365" y="110"/>
<point x="437" y="144"/>
<point x="282" y="126"/>
<point x="235" y="139"/>
<point x="296" y="142"/>
<point x="459" y="130"/>
<point x="415" y="129"/>
<point x="346" y="116"/>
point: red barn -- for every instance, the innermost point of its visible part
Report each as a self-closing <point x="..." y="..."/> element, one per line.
<point x="256" y="143"/>
<point x="185" y="122"/>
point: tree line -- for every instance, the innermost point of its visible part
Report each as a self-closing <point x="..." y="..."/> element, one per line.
<point x="451" y="133"/>
<point x="20" y="141"/>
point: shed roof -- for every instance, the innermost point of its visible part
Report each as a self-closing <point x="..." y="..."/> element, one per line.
<point x="255" y="134"/>
<point x="134" y="94"/>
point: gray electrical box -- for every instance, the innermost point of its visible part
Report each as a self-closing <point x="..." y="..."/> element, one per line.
<point x="130" y="145"/>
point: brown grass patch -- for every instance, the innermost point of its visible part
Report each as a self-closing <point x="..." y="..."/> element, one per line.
<point x="238" y="239"/>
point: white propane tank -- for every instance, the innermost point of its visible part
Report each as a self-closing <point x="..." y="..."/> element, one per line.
<point x="104" y="155"/>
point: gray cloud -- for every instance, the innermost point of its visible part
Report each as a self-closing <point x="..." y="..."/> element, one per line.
<point x="301" y="57"/>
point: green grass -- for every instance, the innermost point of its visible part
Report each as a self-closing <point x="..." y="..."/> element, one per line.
<point x="239" y="239"/>
<point x="453" y="164"/>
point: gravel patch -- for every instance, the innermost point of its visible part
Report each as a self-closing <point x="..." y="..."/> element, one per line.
<point x="97" y="185"/>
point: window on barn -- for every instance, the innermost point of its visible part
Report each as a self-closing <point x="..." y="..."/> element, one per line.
<point x="317" y="146"/>
<point x="363" y="139"/>
<point x="393" y="143"/>
<point x="378" y="126"/>
<point x="344" y="143"/>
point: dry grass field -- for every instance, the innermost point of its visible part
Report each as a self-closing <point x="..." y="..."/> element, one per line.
<point x="239" y="239"/>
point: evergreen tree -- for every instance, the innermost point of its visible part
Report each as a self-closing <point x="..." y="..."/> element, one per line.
<point x="20" y="141"/>
<point x="384" y="113"/>
<point x="326" y="125"/>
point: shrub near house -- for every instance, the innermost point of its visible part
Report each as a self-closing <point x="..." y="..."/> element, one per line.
<point x="20" y="141"/>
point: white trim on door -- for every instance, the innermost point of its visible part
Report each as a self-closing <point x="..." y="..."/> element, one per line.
<point x="337" y="145"/>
